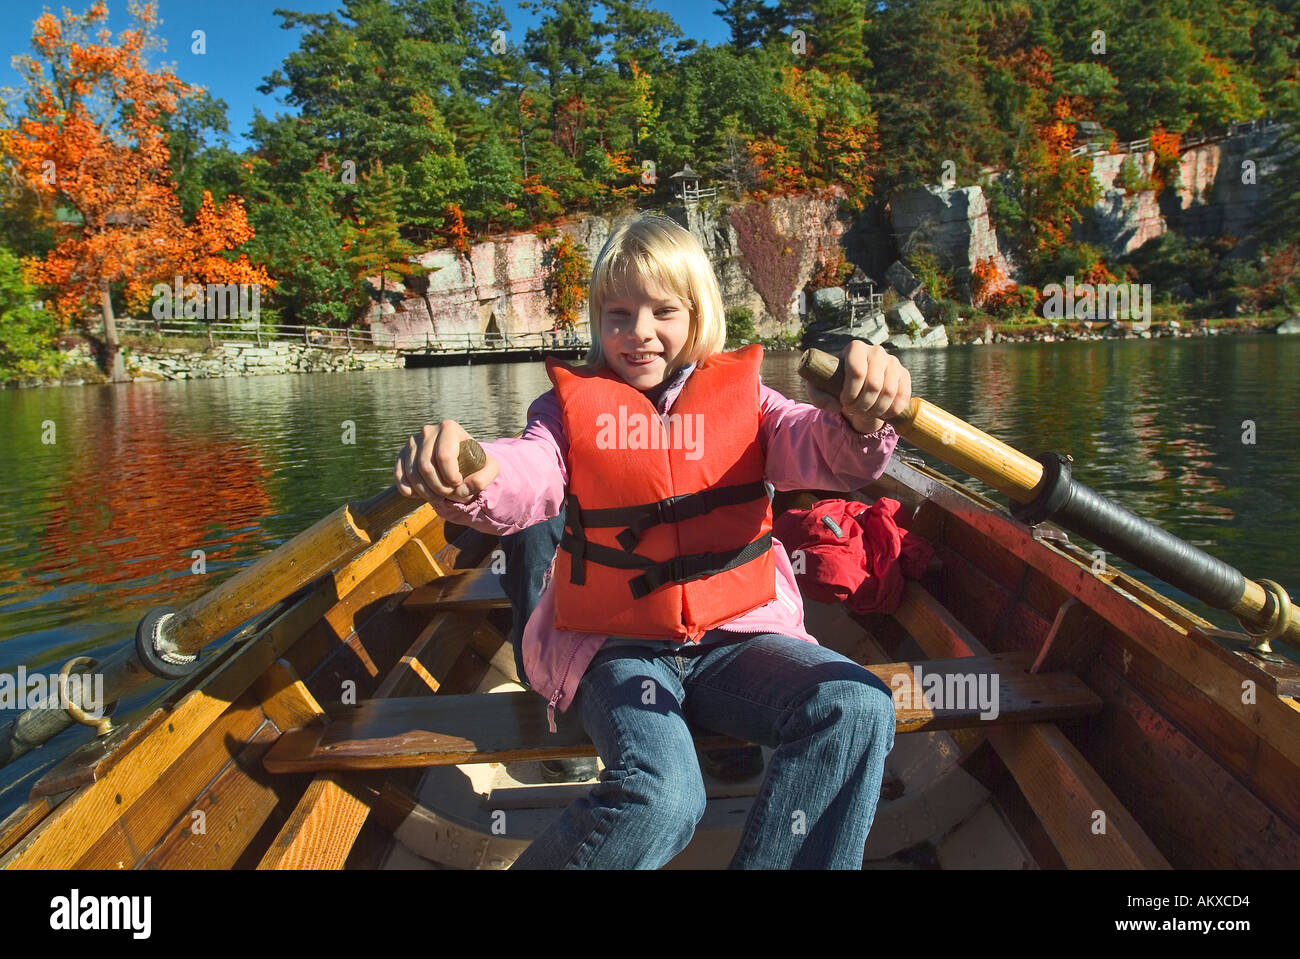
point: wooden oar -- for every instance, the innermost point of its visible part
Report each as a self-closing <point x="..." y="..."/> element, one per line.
<point x="1047" y="490"/>
<point x="167" y="643"/>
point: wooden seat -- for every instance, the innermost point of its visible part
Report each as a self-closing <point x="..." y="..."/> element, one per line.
<point x="478" y="588"/>
<point x="512" y="727"/>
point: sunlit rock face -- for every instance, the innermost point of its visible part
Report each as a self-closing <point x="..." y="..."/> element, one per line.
<point x="500" y="286"/>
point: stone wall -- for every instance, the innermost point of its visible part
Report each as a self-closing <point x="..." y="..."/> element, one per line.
<point x="241" y="359"/>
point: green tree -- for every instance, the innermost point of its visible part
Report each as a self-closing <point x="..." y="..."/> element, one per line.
<point x="378" y="248"/>
<point x="304" y="244"/>
<point x="28" y="335"/>
<point x="929" y="96"/>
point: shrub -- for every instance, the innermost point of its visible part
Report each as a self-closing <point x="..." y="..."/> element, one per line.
<point x="949" y="311"/>
<point x="925" y="265"/>
<point x="740" y="326"/>
<point x="28" y="334"/>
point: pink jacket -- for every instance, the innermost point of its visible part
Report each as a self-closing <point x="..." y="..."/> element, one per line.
<point x="804" y="446"/>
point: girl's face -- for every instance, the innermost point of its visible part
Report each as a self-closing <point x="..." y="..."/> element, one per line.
<point x="642" y="335"/>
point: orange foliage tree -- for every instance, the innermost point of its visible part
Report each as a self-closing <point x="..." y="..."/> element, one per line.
<point x="91" y="142"/>
<point x="566" y="282"/>
<point x="457" y="230"/>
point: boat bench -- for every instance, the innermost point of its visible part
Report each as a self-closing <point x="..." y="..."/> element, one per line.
<point x="475" y="589"/>
<point x="512" y="726"/>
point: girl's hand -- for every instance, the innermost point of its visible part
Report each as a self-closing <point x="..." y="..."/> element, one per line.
<point x="876" y="387"/>
<point x="427" y="468"/>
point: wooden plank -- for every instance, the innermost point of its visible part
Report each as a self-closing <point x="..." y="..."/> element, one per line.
<point x="157" y="742"/>
<point x="367" y="598"/>
<point x="416" y="563"/>
<point x="979" y="602"/>
<point x="234" y="810"/>
<point x="22" y="821"/>
<point x="1089" y="826"/>
<point x="1064" y="791"/>
<point x="322" y="829"/>
<point x="930" y="623"/>
<point x="509" y="727"/>
<point x="1260" y="767"/>
<point x="1197" y="660"/>
<point x="145" y="820"/>
<point x="1074" y="639"/>
<point x="285" y="699"/>
<point x="477" y="589"/>
<point x="1198" y="812"/>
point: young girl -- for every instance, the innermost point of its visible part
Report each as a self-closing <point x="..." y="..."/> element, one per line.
<point x="669" y="606"/>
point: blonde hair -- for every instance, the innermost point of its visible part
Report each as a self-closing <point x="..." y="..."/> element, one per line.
<point x="650" y="249"/>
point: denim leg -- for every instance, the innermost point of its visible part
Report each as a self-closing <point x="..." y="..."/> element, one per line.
<point x="650" y="796"/>
<point x="528" y="554"/>
<point x="831" y="722"/>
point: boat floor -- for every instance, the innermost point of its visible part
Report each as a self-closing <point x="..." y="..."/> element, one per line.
<point x="937" y="815"/>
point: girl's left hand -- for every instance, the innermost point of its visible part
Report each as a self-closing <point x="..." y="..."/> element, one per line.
<point x="876" y="388"/>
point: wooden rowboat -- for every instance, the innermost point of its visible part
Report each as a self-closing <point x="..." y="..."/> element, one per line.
<point x="372" y="719"/>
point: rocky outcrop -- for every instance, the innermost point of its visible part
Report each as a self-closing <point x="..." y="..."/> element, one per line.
<point x="500" y="286"/>
<point x="952" y="221"/>
<point x="1223" y="186"/>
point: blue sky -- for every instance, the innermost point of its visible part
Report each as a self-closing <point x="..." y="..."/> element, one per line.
<point x="245" y="41"/>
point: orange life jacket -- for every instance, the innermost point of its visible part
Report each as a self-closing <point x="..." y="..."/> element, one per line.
<point x="668" y="520"/>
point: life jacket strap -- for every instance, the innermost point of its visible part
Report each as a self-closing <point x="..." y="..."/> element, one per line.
<point x="674" y="509"/>
<point x="679" y="569"/>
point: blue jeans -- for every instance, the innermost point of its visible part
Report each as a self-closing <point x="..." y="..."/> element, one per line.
<point x="528" y="554"/>
<point x="830" y="721"/>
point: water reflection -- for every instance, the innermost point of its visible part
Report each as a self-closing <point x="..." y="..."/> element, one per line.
<point x="100" y="524"/>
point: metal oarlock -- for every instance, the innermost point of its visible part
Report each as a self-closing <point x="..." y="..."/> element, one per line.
<point x="1258" y="642"/>
<point x="157" y="661"/>
<point x="103" y="725"/>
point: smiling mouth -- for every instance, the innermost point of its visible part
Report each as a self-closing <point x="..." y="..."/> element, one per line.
<point x="640" y="358"/>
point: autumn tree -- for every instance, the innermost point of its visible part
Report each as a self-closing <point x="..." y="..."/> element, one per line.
<point x="566" y="283"/>
<point x="92" y="141"/>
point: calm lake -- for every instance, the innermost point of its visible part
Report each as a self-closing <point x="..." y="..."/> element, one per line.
<point x="106" y="493"/>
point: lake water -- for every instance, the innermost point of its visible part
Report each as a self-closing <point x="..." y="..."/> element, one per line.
<point x="107" y="492"/>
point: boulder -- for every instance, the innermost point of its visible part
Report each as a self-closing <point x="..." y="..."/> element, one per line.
<point x="873" y="329"/>
<point x="902" y="279"/>
<point x="905" y="316"/>
<point x="828" y="302"/>
<point x="900" y="341"/>
<point x="934" y="337"/>
<point x="1289" y="325"/>
<point x="927" y="304"/>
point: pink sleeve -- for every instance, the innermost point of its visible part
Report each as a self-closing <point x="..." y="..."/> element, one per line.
<point x="532" y="481"/>
<point x="808" y="447"/>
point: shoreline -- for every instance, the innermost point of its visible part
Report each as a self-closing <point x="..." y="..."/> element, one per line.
<point x="247" y="359"/>
<point x="1081" y="330"/>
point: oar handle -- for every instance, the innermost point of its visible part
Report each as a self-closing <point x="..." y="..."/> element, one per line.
<point x="382" y="510"/>
<point x="937" y="431"/>
<point x="1076" y="507"/>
